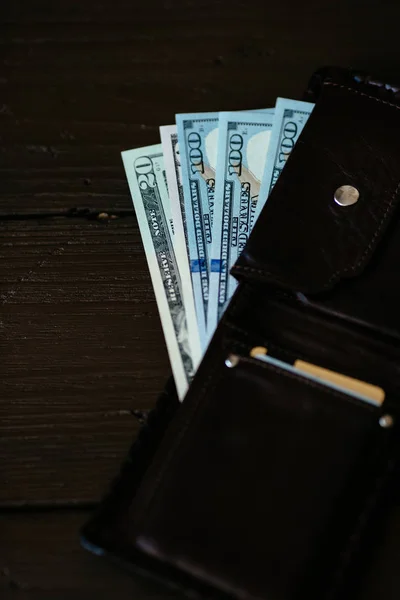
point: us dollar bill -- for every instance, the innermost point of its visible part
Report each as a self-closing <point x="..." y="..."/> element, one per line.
<point x="242" y="149"/>
<point x="172" y="161"/>
<point x="198" y="138"/>
<point x="170" y="148"/>
<point x="289" y="121"/>
<point x="146" y="176"/>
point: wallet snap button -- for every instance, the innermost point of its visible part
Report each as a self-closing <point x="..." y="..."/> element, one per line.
<point x="346" y="195"/>
<point x="386" y="421"/>
<point x="232" y="361"/>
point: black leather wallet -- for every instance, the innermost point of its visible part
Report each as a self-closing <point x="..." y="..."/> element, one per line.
<point x="265" y="484"/>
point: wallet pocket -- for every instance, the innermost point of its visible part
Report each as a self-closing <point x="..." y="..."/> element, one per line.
<point x="264" y="485"/>
<point x="305" y="240"/>
<point x="307" y="243"/>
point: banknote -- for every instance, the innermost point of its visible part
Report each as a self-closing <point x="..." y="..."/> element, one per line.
<point x="242" y="149"/>
<point x="145" y="172"/>
<point x="289" y="120"/>
<point x="198" y="138"/>
<point x="266" y="111"/>
<point x="170" y="148"/>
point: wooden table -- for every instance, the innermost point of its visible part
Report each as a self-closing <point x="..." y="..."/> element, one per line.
<point x="82" y="352"/>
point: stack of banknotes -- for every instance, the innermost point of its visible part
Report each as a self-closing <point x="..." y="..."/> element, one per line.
<point x="197" y="195"/>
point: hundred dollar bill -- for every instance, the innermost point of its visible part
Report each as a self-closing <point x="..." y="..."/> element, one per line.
<point x="242" y="149"/>
<point x="170" y="148"/>
<point x="198" y="137"/>
<point x="289" y="120"/>
<point x="145" y="172"/>
<point x="266" y="111"/>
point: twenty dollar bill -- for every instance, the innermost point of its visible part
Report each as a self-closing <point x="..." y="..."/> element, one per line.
<point x="145" y="172"/>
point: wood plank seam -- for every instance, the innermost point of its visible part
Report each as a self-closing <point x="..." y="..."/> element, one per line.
<point x="88" y="214"/>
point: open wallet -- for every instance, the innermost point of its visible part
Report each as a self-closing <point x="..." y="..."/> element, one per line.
<point x="277" y="478"/>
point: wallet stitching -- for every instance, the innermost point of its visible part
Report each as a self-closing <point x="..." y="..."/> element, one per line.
<point x="354" y="91"/>
<point x="353" y="268"/>
<point x="310" y="383"/>
<point x="368" y="249"/>
<point x="354" y="538"/>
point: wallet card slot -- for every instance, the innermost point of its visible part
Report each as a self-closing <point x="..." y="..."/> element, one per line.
<point x="337" y="381"/>
<point x="285" y="370"/>
<point x="261" y="483"/>
<point x="293" y="331"/>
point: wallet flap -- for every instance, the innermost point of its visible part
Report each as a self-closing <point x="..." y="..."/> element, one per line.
<point x="304" y="240"/>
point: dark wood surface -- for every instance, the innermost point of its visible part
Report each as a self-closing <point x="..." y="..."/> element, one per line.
<point x="82" y="353"/>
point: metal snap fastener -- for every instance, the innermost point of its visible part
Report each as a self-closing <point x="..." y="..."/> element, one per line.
<point x="386" y="421"/>
<point x="232" y="361"/>
<point x="346" y="195"/>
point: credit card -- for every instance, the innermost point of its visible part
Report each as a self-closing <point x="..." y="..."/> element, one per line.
<point x="361" y="390"/>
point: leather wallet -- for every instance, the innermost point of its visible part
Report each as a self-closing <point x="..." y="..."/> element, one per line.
<point x="264" y="483"/>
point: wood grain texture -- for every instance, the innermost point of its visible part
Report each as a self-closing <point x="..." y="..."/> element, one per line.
<point x="81" y="349"/>
<point x="80" y="340"/>
<point x="44" y="561"/>
<point x="83" y="81"/>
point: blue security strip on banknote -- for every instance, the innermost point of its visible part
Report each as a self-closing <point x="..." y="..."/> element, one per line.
<point x="198" y="139"/>
<point x="242" y="149"/>
<point x="197" y="198"/>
